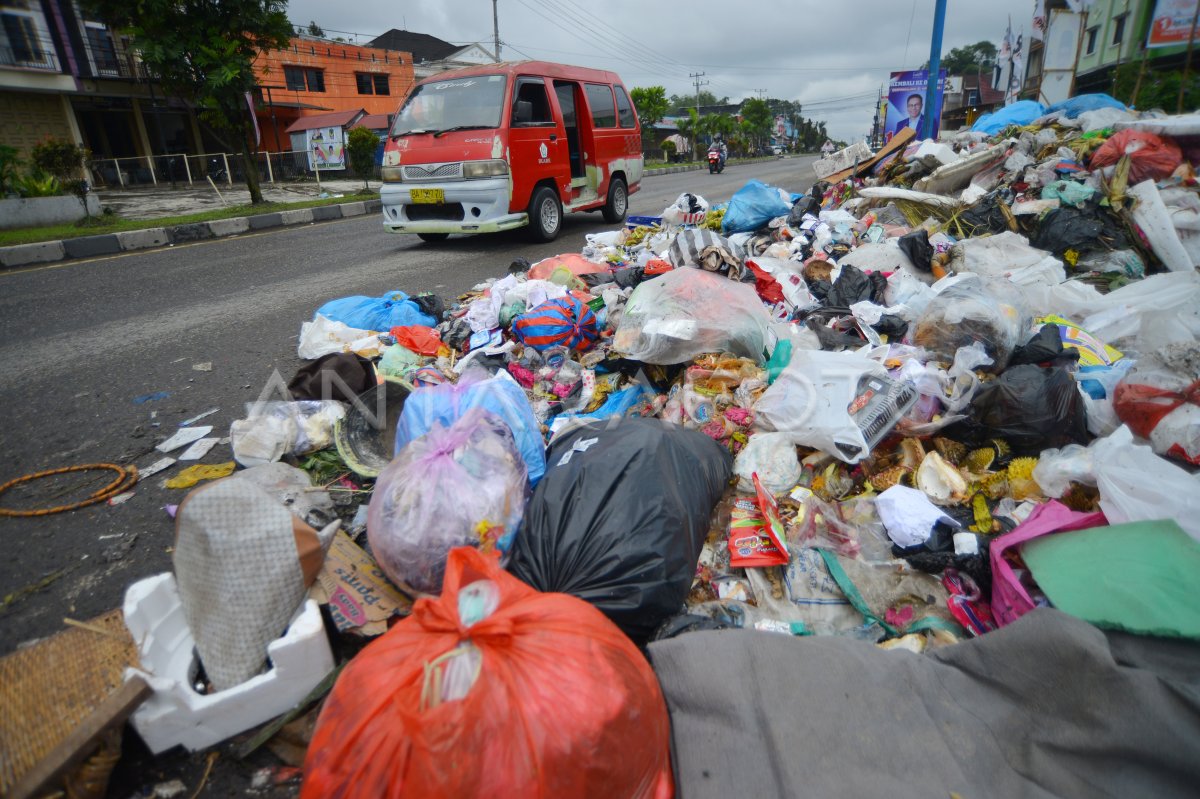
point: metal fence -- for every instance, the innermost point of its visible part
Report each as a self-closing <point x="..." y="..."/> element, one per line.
<point x="222" y="168"/>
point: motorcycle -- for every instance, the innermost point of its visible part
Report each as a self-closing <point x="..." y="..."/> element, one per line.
<point x="716" y="164"/>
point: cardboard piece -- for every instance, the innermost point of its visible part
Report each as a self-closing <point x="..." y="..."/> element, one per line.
<point x="358" y="593"/>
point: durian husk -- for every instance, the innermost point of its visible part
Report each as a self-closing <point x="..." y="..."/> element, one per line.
<point x="952" y="451"/>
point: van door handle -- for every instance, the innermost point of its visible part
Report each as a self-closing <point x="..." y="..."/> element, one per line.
<point x="553" y="137"/>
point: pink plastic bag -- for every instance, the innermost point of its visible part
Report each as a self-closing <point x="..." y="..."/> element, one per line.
<point x="1010" y="600"/>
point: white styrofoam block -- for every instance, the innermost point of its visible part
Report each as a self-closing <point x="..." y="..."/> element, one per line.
<point x="176" y="713"/>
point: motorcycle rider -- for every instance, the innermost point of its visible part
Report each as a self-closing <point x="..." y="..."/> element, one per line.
<point x="718" y="146"/>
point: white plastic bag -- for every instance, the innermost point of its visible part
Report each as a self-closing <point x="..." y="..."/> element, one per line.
<point x="323" y="336"/>
<point x="1057" y="468"/>
<point x="1137" y="485"/>
<point x="274" y="429"/>
<point x="772" y="456"/>
<point x="687" y="312"/>
<point x="688" y="209"/>
<point x="810" y="402"/>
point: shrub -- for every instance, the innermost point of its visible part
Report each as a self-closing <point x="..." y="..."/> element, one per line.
<point x="65" y="161"/>
<point x="8" y="170"/>
<point x="361" y="145"/>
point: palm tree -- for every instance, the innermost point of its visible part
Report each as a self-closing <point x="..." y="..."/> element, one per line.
<point x="688" y="127"/>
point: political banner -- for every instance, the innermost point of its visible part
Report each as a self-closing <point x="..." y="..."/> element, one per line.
<point x="326" y="148"/>
<point x="906" y="102"/>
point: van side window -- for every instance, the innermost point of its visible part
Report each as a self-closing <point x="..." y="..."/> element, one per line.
<point x="625" y="109"/>
<point x="537" y="112"/>
<point x="600" y="98"/>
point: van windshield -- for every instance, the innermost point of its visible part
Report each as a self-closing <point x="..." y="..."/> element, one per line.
<point x="455" y="104"/>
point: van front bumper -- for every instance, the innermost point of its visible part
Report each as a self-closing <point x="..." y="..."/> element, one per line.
<point x="470" y="206"/>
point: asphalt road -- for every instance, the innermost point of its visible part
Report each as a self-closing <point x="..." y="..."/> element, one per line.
<point x="79" y="341"/>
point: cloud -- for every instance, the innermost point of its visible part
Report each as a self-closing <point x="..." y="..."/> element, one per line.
<point x="834" y="55"/>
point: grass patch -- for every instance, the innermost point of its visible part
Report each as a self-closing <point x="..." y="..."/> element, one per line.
<point x="110" y="223"/>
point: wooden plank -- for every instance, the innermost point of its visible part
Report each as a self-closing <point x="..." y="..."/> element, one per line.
<point x="901" y="139"/>
<point x="77" y="746"/>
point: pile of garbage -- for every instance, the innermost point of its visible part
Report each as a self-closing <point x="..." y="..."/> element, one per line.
<point x="902" y="407"/>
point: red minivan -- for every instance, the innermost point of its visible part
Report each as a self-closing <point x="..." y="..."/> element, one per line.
<point x="496" y="147"/>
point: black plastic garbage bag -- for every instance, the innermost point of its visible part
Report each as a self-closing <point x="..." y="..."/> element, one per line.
<point x="430" y="303"/>
<point x="1031" y="408"/>
<point x="337" y="376"/>
<point x="620" y="518"/>
<point x="989" y="215"/>
<point x="805" y="205"/>
<point x="1087" y="229"/>
<point x="1045" y="347"/>
<point x="918" y="249"/>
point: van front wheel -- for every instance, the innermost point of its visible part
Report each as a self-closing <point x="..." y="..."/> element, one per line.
<point x="545" y="215"/>
<point x="618" y="202"/>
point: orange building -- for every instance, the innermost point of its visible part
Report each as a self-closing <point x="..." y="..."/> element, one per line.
<point x="316" y="76"/>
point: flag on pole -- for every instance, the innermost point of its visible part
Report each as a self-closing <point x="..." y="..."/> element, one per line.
<point x="1039" y="20"/>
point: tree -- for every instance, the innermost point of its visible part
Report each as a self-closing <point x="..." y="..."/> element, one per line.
<point x="361" y="145"/>
<point x="689" y="126"/>
<point x="204" y="52"/>
<point x="978" y="57"/>
<point x="651" y="104"/>
<point x="315" y="30"/>
<point x="681" y="102"/>
<point x="757" y="116"/>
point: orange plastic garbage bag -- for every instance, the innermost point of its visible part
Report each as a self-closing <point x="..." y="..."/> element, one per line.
<point x="418" y="338"/>
<point x="493" y="689"/>
<point x="577" y="265"/>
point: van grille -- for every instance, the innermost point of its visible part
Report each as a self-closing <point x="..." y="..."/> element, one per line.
<point x="439" y="211"/>
<point x="433" y="171"/>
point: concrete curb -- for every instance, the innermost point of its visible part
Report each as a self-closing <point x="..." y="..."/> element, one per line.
<point x="151" y="238"/>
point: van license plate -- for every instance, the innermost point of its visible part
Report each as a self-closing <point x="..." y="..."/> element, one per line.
<point x="428" y="195"/>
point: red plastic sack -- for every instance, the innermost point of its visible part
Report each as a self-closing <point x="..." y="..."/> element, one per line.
<point x="577" y="265"/>
<point x="554" y="702"/>
<point x="765" y="284"/>
<point x="1151" y="157"/>
<point x="1160" y="400"/>
<point x="418" y="338"/>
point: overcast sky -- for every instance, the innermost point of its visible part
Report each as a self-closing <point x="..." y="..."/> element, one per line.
<point x="830" y="55"/>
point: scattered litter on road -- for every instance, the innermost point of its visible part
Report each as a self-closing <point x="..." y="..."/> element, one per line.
<point x="183" y="437"/>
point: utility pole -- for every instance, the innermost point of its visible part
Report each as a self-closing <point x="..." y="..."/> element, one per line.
<point x="935" y="66"/>
<point x="696" y="76"/>
<point x="496" y="27"/>
<point x="1187" y="61"/>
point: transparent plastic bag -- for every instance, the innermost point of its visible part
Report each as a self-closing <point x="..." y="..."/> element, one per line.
<point x="1057" y="468"/>
<point x="1137" y="485"/>
<point x="274" y="429"/>
<point x="988" y="310"/>
<point x="772" y="456"/>
<point x="687" y="312"/>
<point x="1160" y="400"/>
<point x="463" y="485"/>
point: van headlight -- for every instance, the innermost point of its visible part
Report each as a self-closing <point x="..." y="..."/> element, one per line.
<point x="484" y="169"/>
<point x="391" y="174"/>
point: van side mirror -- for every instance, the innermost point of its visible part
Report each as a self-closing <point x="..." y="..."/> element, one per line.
<point x="524" y="113"/>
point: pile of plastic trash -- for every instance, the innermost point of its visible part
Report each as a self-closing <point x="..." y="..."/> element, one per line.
<point x="852" y="412"/>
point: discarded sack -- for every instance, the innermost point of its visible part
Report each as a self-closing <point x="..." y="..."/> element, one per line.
<point x="338" y="376"/>
<point x="1160" y="400"/>
<point x="464" y="485"/>
<point x="753" y="206"/>
<point x="443" y="405"/>
<point x="376" y="313"/>
<point x="1151" y="157"/>
<point x="990" y="311"/>
<point x="1031" y="408"/>
<point x="493" y="689"/>
<point x="620" y="518"/>
<point x="706" y="250"/>
<point x="565" y="322"/>
<point x="687" y="312"/>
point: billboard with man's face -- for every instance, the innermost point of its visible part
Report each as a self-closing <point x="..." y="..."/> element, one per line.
<point x="906" y="102"/>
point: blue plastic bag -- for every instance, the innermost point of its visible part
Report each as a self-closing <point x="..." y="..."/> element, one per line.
<point x="1075" y="106"/>
<point x="1021" y="112"/>
<point x="618" y="403"/>
<point x="754" y="205"/>
<point x="446" y="403"/>
<point x="381" y="314"/>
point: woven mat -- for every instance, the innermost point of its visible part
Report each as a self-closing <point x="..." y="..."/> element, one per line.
<point x="48" y="689"/>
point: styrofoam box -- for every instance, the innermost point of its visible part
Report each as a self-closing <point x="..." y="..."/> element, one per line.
<point x="175" y="713"/>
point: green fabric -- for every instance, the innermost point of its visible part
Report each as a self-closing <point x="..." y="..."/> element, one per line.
<point x="847" y="587"/>
<point x="1141" y="577"/>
